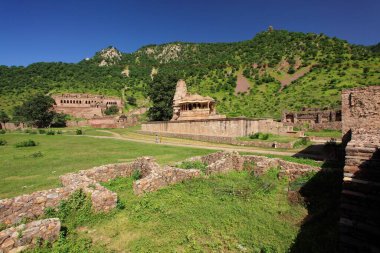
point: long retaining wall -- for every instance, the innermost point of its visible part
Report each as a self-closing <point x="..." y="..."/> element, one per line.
<point x="230" y="127"/>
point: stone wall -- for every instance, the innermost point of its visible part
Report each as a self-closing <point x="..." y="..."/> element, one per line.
<point x="106" y="122"/>
<point x="22" y="237"/>
<point x="162" y="177"/>
<point x="226" y="161"/>
<point x="360" y="206"/>
<point x="231" y="127"/>
<point x="361" y="108"/>
<point x="12" y="126"/>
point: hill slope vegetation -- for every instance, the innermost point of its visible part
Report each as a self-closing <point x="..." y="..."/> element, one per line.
<point x="286" y="70"/>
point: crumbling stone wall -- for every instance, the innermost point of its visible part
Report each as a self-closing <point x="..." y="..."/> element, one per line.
<point x="360" y="209"/>
<point x="161" y="177"/>
<point x="227" y="161"/>
<point x="22" y="237"/>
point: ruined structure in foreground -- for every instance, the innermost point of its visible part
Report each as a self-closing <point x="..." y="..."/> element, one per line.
<point x="317" y="119"/>
<point x="188" y="106"/>
<point x="85" y="105"/>
<point x="360" y="200"/>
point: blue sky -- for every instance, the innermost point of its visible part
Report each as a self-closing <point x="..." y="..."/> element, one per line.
<point x="71" y="30"/>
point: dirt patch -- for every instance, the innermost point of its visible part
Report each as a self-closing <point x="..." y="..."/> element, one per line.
<point x="242" y="84"/>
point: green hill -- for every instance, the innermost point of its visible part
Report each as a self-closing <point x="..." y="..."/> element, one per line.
<point x="286" y="70"/>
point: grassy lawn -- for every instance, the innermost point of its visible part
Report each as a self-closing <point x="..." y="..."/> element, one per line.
<point x="325" y="133"/>
<point x="271" y="138"/>
<point x="22" y="172"/>
<point x="234" y="212"/>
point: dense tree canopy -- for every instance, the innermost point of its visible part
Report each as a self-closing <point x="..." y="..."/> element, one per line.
<point x="36" y="111"/>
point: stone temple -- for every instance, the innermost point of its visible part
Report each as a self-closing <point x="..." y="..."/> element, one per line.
<point x="188" y="106"/>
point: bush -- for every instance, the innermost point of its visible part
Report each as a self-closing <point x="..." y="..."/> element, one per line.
<point x="136" y="175"/>
<point x="112" y="110"/>
<point x="3" y="142"/>
<point x="2" y="131"/>
<point x="37" y="154"/>
<point x="79" y="132"/>
<point x="41" y="131"/>
<point x="28" y="143"/>
<point x="50" y="132"/>
<point x="260" y="136"/>
<point x="59" y="132"/>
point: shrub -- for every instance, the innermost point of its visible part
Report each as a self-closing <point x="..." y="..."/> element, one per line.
<point x="79" y="132"/>
<point x="50" y="132"/>
<point x="112" y="110"/>
<point x="28" y="143"/>
<point x="3" y="142"/>
<point x="59" y="132"/>
<point x="136" y="175"/>
<point x="37" y="154"/>
<point x="2" y="131"/>
<point x="41" y="131"/>
<point x="260" y="136"/>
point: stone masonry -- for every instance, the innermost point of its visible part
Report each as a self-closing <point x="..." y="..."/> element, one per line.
<point x="24" y="236"/>
<point x="360" y="199"/>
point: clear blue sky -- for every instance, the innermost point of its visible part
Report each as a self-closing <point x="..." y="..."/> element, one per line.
<point x="71" y="30"/>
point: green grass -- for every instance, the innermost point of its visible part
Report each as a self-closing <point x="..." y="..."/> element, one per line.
<point x="22" y="172"/>
<point x="271" y="138"/>
<point x="288" y="158"/>
<point x="223" y="213"/>
<point x="325" y="133"/>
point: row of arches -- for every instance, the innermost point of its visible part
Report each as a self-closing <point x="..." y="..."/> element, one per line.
<point x="71" y="101"/>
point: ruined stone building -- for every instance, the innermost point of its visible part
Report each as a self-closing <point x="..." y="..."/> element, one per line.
<point x="315" y="118"/>
<point x="360" y="199"/>
<point x="85" y="105"/>
<point x="188" y="106"/>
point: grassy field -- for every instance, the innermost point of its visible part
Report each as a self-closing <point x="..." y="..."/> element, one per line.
<point x="325" y="133"/>
<point x="271" y="138"/>
<point x="234" y="212"/>
<point x="24" y="170"/>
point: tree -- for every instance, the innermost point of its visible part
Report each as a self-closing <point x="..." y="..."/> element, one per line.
<point x="131" y="100"/>
<point x="4" y="118"/>
<point x="112" y="110"/>
<point x="161" y="92"/>
<point x="36" y="111"/>
<point x="59" y="120"/>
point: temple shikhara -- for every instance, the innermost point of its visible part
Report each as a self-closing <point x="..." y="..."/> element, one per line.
<point x="188" y="106"/>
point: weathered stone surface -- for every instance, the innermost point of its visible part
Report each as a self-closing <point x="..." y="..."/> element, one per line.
<point x="84" y="105"/>
<point x="359" y="222"/>
<point x="16" y="239"/>
<point x="316" y="119"/>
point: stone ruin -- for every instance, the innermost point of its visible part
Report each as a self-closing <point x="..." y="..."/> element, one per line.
<point x="188" y="106"/>
<point x="360" y="199"/>
<point x="316" y="119"/>
<point x="85" y="105"/>
<point x="154" y="177"/>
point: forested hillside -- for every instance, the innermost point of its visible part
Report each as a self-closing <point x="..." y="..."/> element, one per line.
<point x="285" y="70"/>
